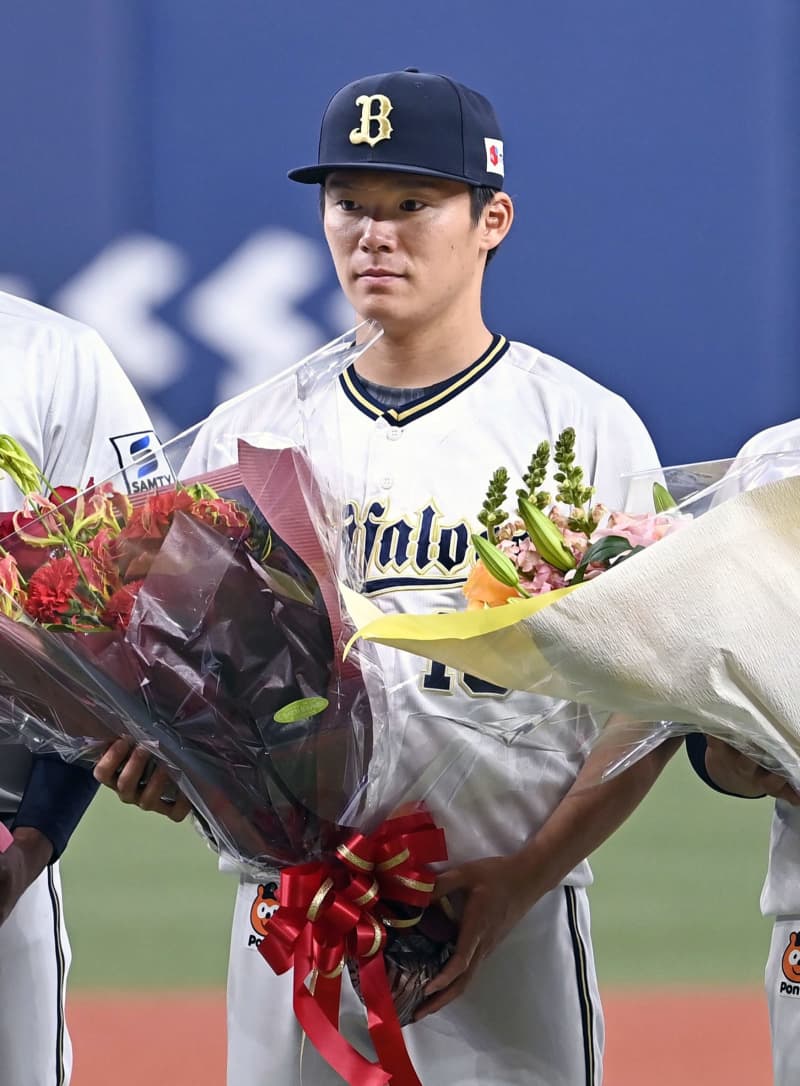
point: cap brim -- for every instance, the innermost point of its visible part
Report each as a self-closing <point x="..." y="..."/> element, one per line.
<point x="314" y="175"/>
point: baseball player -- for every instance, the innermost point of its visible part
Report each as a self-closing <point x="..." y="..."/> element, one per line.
<point x="69" y="404"/>
<point x="729" y="771"/>
<point x="411" y="169"/>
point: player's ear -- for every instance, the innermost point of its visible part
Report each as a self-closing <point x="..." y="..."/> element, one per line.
<point x="496" y="220"/>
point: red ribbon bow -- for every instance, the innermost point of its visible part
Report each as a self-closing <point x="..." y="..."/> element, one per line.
<point x="334" y="910"/>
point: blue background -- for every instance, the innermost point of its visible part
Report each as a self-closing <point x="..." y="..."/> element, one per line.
<point x="652" y="151"/>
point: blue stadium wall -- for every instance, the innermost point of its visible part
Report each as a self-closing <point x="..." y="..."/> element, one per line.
<point x="652" y="150"/>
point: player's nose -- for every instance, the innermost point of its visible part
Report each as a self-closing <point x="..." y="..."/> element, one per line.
<point x="377" y="235"/>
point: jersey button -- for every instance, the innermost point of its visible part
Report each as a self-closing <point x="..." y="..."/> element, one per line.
<point x="386" y="482"/>
<point x="395" y="433"/>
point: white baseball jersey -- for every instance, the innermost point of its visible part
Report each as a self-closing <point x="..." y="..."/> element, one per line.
<point x="780" y="896"/>
<point x="781" y="892"/>
<point x="412" y="482"/>
<point x="66" y="400"/>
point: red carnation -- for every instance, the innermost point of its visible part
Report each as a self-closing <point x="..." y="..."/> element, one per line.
<point x="52" y="590"/>
<point x="55" y="590"/>
<point x="118" y="609"/>
<point x="152" y="520"/>
<point x="140" y="540"/>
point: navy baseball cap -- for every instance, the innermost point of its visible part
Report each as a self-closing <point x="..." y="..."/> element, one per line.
<point x="409" y="122"/>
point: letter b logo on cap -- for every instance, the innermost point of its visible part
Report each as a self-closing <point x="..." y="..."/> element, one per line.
<point x="371" y="116"/>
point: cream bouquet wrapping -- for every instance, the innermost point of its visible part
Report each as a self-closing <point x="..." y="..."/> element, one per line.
<point x="695" y="633"/>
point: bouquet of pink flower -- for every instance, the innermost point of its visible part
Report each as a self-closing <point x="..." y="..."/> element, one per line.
<point x="691" y="636"/>
<point x="553" y="544"/>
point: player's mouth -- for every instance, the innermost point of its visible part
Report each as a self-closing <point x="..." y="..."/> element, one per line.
<point x="379" y="276"/>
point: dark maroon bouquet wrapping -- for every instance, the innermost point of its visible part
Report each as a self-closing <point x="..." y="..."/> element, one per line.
<point x="204" y="623"/>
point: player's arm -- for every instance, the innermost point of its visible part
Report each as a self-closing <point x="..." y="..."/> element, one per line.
<point x="131" y="773"/>
<point x="55" y="799"/>
<point x="727" y="770"/>
<point x="500" y="890"/>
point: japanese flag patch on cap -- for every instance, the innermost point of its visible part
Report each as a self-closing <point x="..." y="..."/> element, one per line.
<point x="494" y="156"/>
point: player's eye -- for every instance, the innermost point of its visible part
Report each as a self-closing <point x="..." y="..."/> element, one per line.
<point x="263" y="911"/>
<point x="411" y="205"/>
<point x="346" y="205"/>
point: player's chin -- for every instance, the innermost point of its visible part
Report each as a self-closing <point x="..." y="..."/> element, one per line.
<point x="381" y="309"/>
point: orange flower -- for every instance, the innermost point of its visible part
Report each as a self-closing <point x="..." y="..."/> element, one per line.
<point x="483" y="590"/>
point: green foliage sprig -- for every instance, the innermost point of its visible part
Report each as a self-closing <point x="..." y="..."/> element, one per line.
<point x="535" y="476"/>
<point x="571" y="488"/>
<point x="492" y="515"/>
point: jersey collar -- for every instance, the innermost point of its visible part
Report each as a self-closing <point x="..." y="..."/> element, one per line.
<point x="360" y="397"/>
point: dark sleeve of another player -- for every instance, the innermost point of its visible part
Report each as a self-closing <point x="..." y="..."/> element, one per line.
<point x="696" y="749"/>
<point x="55" y="799"/>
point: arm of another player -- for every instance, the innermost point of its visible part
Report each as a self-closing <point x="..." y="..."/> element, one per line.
<point x="727" y="770"/>
<point x="55" y="798"/>
<point x="500" y="890"/>
<point x="26" y="855"/>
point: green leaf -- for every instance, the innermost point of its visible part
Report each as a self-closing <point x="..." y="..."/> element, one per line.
<point x="301" y="710"/>
<point x="603" y="552"/>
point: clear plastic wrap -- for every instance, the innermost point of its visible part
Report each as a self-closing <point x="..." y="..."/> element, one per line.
<point x="200" y="618"/>
<point x="694" y="634"/>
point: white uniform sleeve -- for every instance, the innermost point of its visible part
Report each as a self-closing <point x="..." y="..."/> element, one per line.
<point x="95" y="423"/>
<point x="267" y="416"/>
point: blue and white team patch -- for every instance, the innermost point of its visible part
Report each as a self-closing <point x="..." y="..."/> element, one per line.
<point x="144" y="465"/>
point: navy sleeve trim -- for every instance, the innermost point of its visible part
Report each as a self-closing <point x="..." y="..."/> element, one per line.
<point x="55" y="799"/>
<point x="696" y="749"/>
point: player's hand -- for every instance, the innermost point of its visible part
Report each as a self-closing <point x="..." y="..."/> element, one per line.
<point x="20" y="865"/>
<point x="132" y="774"/>
<point x="736" y="773"/>
<point x="496" y="894"/>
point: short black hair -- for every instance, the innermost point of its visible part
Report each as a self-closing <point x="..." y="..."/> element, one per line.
<point x="480" y="196"/>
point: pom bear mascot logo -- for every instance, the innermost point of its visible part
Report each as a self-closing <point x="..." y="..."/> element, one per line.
<point x="790" y="964"/>
<point x="263" y="908"/>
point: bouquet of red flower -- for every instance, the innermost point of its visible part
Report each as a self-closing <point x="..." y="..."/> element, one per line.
<point x="187" y="622"/>
<point x="202" y="620"/>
